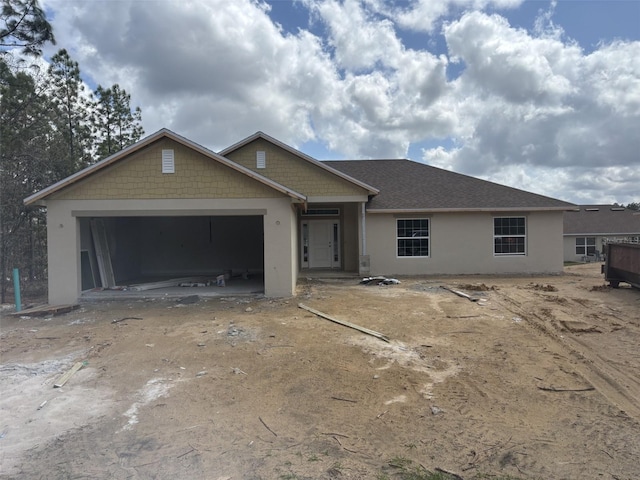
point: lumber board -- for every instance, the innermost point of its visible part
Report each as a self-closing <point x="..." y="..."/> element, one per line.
<point x="103" y="255"/>
<point x="64" y="378"/>
<point x="462" y="294"/>
<point x="42" y="310"/>
<point x="344" y="323"/>
<point x="174" y="282"/>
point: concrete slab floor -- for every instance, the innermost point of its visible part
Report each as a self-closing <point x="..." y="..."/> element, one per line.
<point x="233" y="287"/>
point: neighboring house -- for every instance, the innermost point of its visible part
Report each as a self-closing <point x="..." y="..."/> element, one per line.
<point x="588" y="228"/>
<point x="166" y="207"/>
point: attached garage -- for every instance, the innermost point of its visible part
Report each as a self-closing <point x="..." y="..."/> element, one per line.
<point x="159" y="248"/>
<point x="168" y="208"/>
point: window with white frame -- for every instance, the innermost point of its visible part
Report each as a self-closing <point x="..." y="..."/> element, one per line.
<point x="412" y="237"/>
<point x="585" y="245"/>
<point x="509" y="236"/>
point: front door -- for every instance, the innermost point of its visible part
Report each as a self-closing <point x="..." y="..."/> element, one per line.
<point x="323" y="243"/>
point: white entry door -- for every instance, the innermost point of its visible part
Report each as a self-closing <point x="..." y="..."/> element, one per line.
<point x="324" y="244"/>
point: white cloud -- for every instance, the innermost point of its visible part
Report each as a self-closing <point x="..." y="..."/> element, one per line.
<point x="508" y="62"/>
<point x="528" y="108"/>
<point x="425" y="15"/>
<point x="535" y="104"/>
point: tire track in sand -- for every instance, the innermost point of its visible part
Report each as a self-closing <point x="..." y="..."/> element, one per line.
<point x="618" y="386"/>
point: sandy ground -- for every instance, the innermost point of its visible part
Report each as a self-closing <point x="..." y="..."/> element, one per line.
<point x="538" y="380"/>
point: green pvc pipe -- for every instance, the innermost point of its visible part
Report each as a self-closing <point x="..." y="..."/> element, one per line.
<point x="16" y="288"/>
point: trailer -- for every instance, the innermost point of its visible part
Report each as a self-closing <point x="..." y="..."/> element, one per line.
<point x="622" y="264"/>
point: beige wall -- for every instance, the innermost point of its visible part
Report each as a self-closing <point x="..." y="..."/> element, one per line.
<point x="350" y="235"/>
<point x="63" y="252"/>
<point x="63" y="236"/>
<point x="462" y="243"/>
<point x="140" y="176"/>
<point x="569" y="243"/>
<point x="296" y="173"/>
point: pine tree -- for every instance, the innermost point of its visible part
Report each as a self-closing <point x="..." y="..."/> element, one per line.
<point x="25" y="141"/>
<point x="72" y="112"/>
<point x="24" y="25"/>
<point x="116" y="125"/>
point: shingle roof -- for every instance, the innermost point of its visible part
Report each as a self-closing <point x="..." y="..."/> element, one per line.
<point x="602" y="219"/>
<point x="409" y="185"/>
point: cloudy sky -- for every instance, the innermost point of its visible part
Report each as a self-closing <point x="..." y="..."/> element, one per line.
<point x="539" y="95"/>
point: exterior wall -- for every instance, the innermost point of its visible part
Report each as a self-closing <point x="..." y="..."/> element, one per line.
<point x="569" y="242"/>
<point x="293" y="172"/>
<point x="280" y="252"/>
<point x="569" y="247"/>
<point x="63" y="252"/>
<point x="140" y="176"/>
<point x="63" y="235"/>
<point x="350" y="235"/>
<point x="462" y="243"/>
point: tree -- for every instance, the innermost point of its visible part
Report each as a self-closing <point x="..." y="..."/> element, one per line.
<point x="72" y="112"/>
<point x="24" y="25"/>
<point x="634" y="206"/>
<point x="25" y="138"/>
<point x="116" y="126"/>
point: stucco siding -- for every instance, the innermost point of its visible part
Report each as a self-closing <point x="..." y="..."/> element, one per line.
<point x="293" y="172"/>
<point x="462" y="243"/>
<point x="140" y="176"/>
<point x="569" y="244"/>
<point x="280" y="247"/>
<point x="350" y="249"/>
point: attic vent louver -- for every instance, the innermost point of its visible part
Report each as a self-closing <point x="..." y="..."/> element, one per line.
<point x="261" y="159"/>
<point x="168" y="164"/>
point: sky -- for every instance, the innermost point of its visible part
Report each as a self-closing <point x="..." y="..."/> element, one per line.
<point x="538" y="95"/>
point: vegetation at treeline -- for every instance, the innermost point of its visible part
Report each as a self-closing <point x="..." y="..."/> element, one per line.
<point x="50" y="127"/>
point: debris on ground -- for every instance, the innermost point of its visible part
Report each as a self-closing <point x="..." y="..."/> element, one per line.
<point x="464" y="295"/>
<point x="346" y="324"/>
<point x="191" y="299"/>
<point x="65" y="378"/>
<point x="472" y="287"/>
<point x="118" y="320"/>
<point x="543" y="288"/>
<point x="379" y="280"/>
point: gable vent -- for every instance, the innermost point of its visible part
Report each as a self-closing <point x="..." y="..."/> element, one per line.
<point x="261" y="159"/>
<point x="168" y="164"/>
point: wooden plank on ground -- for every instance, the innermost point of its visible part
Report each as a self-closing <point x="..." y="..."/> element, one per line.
<point x="174" y="282"/>
<point x="344" y="323"/>
<point x="462" y="294"/>
<point x="64" y="378"/>
<point x="43" y="310"/>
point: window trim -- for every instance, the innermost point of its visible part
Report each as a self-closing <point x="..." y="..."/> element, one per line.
<point x="427" y="237"/>
<point x="523" y="236"/>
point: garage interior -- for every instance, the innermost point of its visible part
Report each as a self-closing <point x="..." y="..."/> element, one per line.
<point x="171" y="255"/>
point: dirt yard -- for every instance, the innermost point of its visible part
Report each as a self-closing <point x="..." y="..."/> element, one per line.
<point x="538" y="380"/>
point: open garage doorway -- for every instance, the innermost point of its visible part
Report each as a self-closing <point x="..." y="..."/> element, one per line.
<point x="159" y="252"/>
